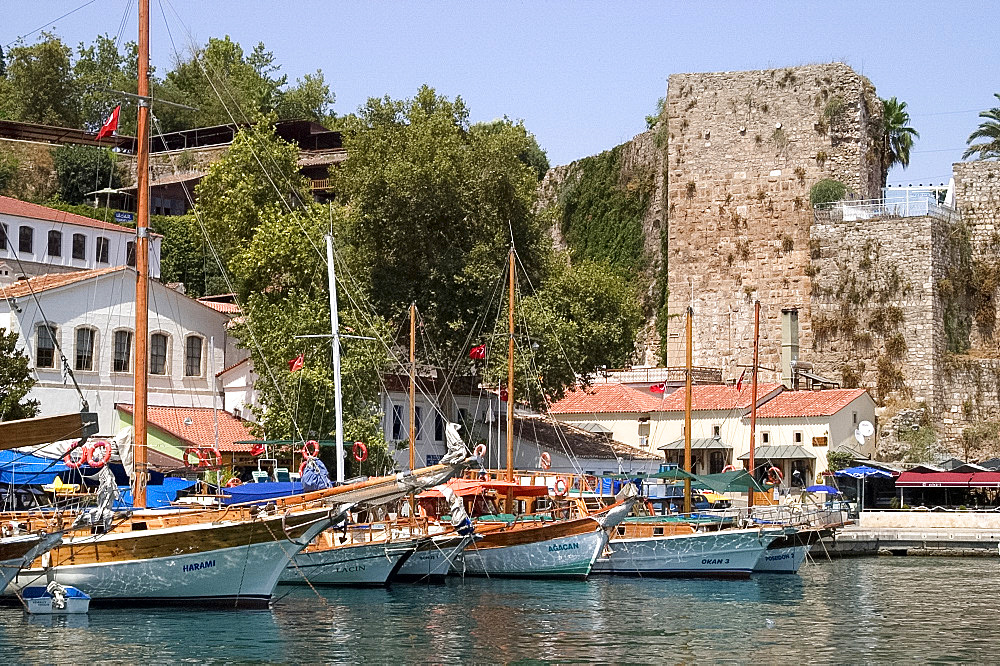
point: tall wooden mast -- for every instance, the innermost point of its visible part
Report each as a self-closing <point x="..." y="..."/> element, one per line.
<point x="753" y="394"/>
<point x="141" y="263"/>
<point x="510" y="382"/>
<point x="687" y="411"/>
<point x="413" y="390"/>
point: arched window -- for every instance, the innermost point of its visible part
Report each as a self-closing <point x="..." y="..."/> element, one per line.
<point x="102" y="247"/>
<point x="192" y="355"/>
<point x="158" y="354"/>
<point x="25" y="239"/>
<point x="85" y="339"/>
<point x="55" y="243"/>
<point x="79" y="246"/>
<point x="45" y="346"/>
<point x="122" y="358"/>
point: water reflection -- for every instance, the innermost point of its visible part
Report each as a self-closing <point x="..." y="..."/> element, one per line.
<point x="886" y="609"/>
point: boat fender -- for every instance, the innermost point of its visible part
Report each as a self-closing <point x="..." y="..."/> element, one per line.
<point x="546" y="460"/>
<point x="560" y="487"/>
<point x="310" y="449"/>
<point x="729" y="468"/>
<point x="192" y="457"/>
<point x="233" y="482"/>
<point x="100" y="461"/>
<point x="72" y="462"/>
<point x="479" y="451"/>
<point x="774" y="475"/>
<point x="360" y="451"/>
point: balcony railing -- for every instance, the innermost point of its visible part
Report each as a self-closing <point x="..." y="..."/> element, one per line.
<point x="870" y="209"/>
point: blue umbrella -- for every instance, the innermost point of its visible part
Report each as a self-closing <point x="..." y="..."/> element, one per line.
<point x="823" y="489"/>
<point x="863" y="472"/>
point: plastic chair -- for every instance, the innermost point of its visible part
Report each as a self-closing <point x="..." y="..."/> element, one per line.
<point x="282" y="474"/>
<point x="260" y="477"/>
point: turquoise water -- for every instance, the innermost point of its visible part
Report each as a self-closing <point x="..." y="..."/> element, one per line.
<point x="878" y="609"/>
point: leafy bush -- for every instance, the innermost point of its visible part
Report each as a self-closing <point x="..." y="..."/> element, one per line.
<point x="9" y="165"/>
<point x="82" y="169"/>
<point x="826" y="191"/>
<point x="837" y="460"/>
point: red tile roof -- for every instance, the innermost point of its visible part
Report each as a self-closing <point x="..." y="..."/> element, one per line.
<point x="606" y="398"/>
<point x="201" y="432"/>
<point x="808" y="403"/>
<point x="709" y="397"/>
<point x="225" y="308"/>
<point x="11" y="206"/>
<point x="42" y="283"/>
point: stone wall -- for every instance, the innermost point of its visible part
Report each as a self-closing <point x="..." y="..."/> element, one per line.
<point x="977" y="196"/>
<point x="744" y="148"/>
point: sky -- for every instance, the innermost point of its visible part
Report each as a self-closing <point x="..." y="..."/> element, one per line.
<point x="583" y="75"/>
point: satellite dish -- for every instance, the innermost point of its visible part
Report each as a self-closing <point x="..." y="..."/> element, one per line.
<point x="866" y="428"/>
<point x="858" y="436"/>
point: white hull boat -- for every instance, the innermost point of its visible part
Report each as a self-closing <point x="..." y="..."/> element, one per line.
<point x="55" y="599"/>
<point x="432" y="560"/>
<point x="363" y="564"/>
<point x="781" y="560"/>
<point x="729" y="553"/>
<point x="18" y="551"/>
<point x="193" y="569"/>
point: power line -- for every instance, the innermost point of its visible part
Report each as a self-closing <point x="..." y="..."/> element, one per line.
<point x="43" y="27"/>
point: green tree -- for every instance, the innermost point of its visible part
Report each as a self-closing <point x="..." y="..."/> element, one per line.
<point x="100" y="69"/>
<point x="432" y="208"/>
<point x="82" y="169"/>
<point x="256" y="180"/>
<point x="661" y="106"/>
<point x="989" y="132"/>
<point x="532" y="155"/>
<point x="39" y="86"/>
<point x="826" y="191"/>
<point x="9" y="166"/>
<point x="583" y="317"/>
<point x="15" y="380"/>
<point x="897" y="135"/>
<point x="310" y="99"/>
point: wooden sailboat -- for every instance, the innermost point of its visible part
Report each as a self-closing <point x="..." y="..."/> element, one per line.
<point x="232" y="556"/>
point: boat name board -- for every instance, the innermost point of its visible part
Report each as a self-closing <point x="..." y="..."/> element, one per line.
<point x="715" y="560"/>
<point x="776" y="558"/>
<point x="198" y="566"/>
<point x="564" y="546"/>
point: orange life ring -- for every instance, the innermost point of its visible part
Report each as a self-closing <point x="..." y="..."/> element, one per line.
<point x="729" y="468"/>
<point x="207" y="454"/>
<point x="233" y="482"/>
<point x="302" y="467"/>
<point x="98" y="463"/>
<point x="192" y="451"/>
<point x="774" y="475"/>
<point x="479" y="451"/>
<point x="560" y="487"/>
<point x="360" y="451"/>
<point x="311" y="445"/>
<point x="546" y="460"/>
<point x="72" y="462"/>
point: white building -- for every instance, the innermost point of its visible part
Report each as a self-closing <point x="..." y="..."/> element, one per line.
<point x="37" y="240"/>
<point x="89" y="318"/>
<point x="794" y="431"/>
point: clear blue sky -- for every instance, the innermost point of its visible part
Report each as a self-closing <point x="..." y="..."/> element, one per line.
<point x="583" y="75"/>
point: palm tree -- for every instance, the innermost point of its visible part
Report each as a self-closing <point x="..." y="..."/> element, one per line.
<point x="989" y="130"/>
<point x="897" y="135"/>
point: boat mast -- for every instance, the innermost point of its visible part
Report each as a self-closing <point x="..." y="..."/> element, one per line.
<point x="413" y="409"/>
<point x="141" y="264"/>
<point x="753" y="394"/>
<point x="687" y="412"/>
<point x="510" y="382"/>
<point x="335" y="331"/>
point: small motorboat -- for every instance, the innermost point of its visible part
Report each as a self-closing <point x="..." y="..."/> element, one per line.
<point x="55" y="599"/>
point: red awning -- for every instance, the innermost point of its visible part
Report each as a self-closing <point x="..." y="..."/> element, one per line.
<point x="467" y="487"/>
<point x="948" y="480"/>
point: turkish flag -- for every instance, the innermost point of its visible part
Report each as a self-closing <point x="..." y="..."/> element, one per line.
<point x="296" y="363"/>
<point x="739" y="384"/>
<point x="478" y="353"/>
<point x="658" y="388"/>
<point x="257" y="449"/>
<point x="110" y="125"/>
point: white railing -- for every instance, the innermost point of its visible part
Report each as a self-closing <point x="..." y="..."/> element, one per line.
<point x="867" y="209"/>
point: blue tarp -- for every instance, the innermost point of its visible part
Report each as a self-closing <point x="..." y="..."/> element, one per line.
<point x="823" y="489"/>
<point x="25" y="469"/>
<point x="863" y="472"/>
<point x="260" y="492"/>
<point x="157" y="497"/>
